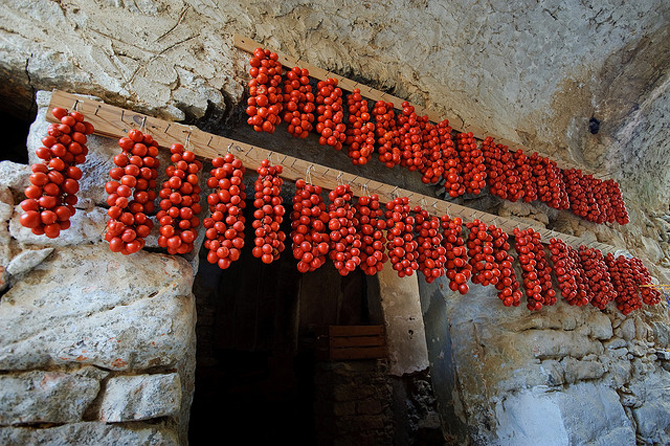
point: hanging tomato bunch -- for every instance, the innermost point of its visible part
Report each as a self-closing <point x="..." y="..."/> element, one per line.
<point x="485" y="269"/>
<point x="345" y="243"/>
<point x="432" y="163"/>
<point x="131" y="192"/>
<point x="180" y="202"/>
<point x="225" y="226"/>
<point x="549" y="179"/>
<point x="524" y="173"/>
<point x="617" y="202"/>
<point x="458" y="269"/>
<point x="451" y="163"/>
<point x="500" y="170"/>
<point x="309" y="231"/>
<point x="388" y="136"/>
<point x="410" y="128"/>
<point x="625" y="284"/>
<point x="569" y="273"/>
<point x="330" y="114"/>
<point x="265" y="101"/>
<point x="401" y="246"/>
<point x="597" y="278"/>
<point x="536" y="272"/>
<point x="472" y="162"/>
<point x="269" y="213"/>
<point x="360" y="132"/>
<point x="508" y="286"/>
<point x="54" y="182"/>
<point x="298" y="102"/>
<point x="432" y="257"/>
<point x="371" y="225"/>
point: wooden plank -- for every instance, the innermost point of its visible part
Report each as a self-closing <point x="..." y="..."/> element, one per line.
<point x="356" y="341"/>
<point x="358" y="353"/>
<point x="355" y="330"/>
<point x="248" y="45"/>
<point x="115" y="122"/>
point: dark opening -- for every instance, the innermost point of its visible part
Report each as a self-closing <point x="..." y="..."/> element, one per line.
<point x="15" y="131"/>
<point x="594" y="126"/>
<point x="255" y="343"/>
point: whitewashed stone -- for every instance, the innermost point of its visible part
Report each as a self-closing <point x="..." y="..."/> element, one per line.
<point x="141" y="397"/>
<point x="27" y="260"/>
<point x="98" y="434"/>
<point x="87" y="305"/>
<point x="45" y="397"/>
<point x="14" y="176"/>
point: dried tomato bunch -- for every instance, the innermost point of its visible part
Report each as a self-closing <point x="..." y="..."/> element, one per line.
<point x="402" y="245"/>
<point x="265" y="95"/>
<point x="345" y="242"/>
<point x="508" y="286"/>
<point x="269" y="214"/>
<point x="458" y="269"/>
<point x="54" y="182"/>
<point x="472" y="162"/>
<point x="410" y="129"/>
<point x="298" y="102"/>
<point x="548" y="176"/>
<point x="309" y="231"/>
<point x="524" y="171"/>
<point x="180" y="202"/>
<point x="225" y="226"/>
<point x="131" y="193"/>
<point x="485" y="270"/>
<point x="360" y="132"/>
<point x="432" y="255"/>
<point x="569" y="274"/>
<point x="371" y="226"/>
<point x="596" y="276"/>
<point x="387" y="134"/>
<point x="330" y="114"/>
<point x="536" y="272"/>
<point x="625" y="284"/>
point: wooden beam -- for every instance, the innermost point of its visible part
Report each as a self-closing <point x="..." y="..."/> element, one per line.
<point x="114" y="122"/>
<point x="248" y="45"/>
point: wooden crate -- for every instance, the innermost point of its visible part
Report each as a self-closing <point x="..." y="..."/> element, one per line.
<point x="349" y="342"/>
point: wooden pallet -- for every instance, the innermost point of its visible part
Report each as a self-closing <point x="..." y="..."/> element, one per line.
<point x="351" y="342"/>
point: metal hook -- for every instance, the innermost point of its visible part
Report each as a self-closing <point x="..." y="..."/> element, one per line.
<point x="144" y="124"/>
<point x="166" y="128"/>
<point x="394" y="191"/>
<point x="186" y="141"/>
<point x="123" y="112"/>
<point x="210" y="141"/>
<point x="339" y="175"/>
<point x="74" y="106"/>
<point x="96" y="110"/>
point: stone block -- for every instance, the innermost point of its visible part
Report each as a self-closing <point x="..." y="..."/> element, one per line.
<point x="45" y="397"/>
<point x="141" y="397"/>
<point x="99" y="434"/>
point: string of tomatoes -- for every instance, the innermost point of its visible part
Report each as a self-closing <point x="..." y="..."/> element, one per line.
<point x="354" y="233"/>
<point x="404" y="138"/>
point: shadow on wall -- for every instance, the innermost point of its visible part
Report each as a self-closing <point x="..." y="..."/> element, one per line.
<point x="15" y="131"/>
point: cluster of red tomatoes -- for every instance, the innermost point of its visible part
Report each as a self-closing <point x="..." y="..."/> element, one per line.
<point x="224" y="235"/>
<point x="265" y="95"/>
<point x="456" y="160"/>
<point x="180" y="202"/>
<point x="269" y="213"/>
<point x="54" y="182"/>
<point x="131" y="193"/>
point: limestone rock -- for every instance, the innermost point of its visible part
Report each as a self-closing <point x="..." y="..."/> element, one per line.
<point x="27" y="260"/>
<point x="141" y="397"/>
<point x="130" y="312"/>
<point x="45" y="397"/>
<point x="14" y="176"/>
<point x="99" y="434"/>
<point x="576" y="370"/>
<point x="87" y="226"/>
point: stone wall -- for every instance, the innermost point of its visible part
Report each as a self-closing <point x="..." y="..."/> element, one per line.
<point x="96" y="347"/>
<point x="565" y="375"/>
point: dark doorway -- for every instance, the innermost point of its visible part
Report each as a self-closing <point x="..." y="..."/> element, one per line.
<point x="255" y="333"/>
